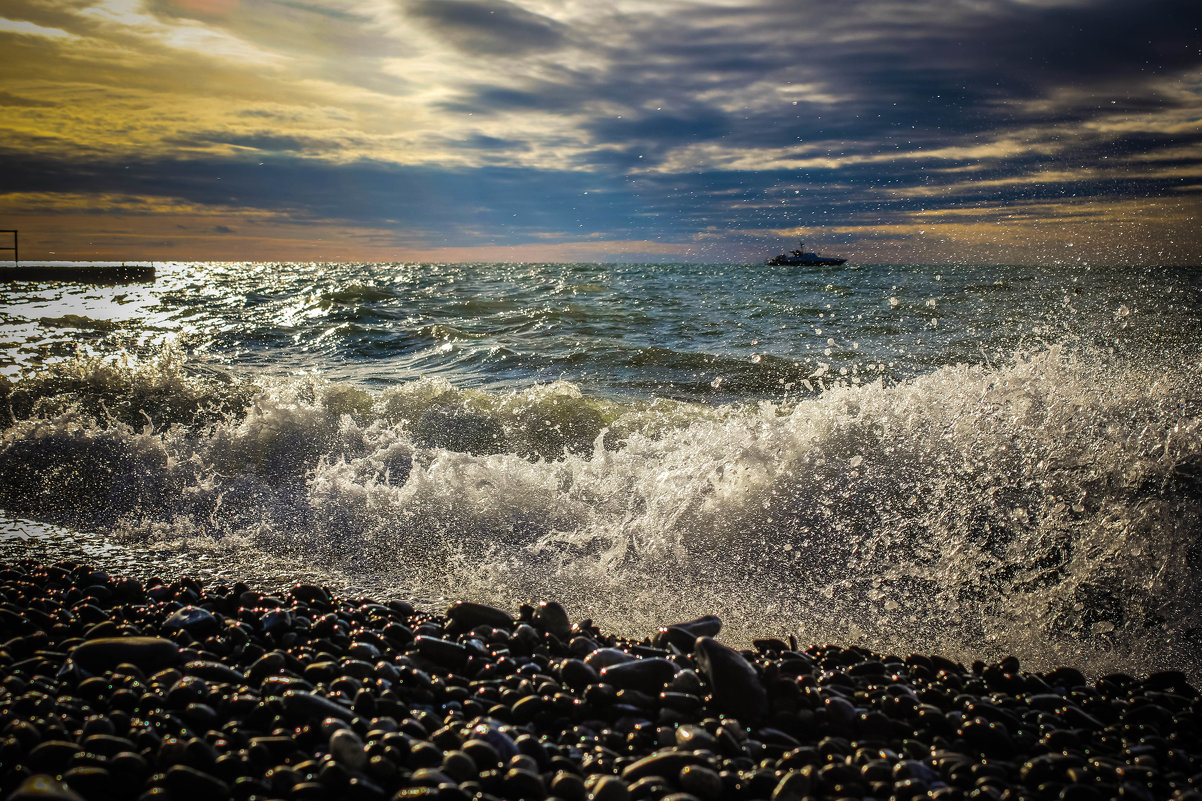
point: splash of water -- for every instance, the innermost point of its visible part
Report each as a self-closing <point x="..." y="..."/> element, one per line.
<point x="1049" y="507"/>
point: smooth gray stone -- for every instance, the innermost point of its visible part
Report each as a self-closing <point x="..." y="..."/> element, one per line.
<point x="733" y="681"/>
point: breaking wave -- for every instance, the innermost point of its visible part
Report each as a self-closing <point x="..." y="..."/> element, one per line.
<point x="1049" y="507"/>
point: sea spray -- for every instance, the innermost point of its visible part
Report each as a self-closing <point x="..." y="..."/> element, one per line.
<point x="1047" y="506"/>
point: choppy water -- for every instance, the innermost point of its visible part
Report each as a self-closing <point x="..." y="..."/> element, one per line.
<point x="977" y="461"/>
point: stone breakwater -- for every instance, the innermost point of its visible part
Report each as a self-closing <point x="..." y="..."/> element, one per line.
<point x="115" y="688"/>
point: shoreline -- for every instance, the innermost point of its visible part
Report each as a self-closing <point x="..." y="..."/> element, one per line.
<point x="119" y="688"/>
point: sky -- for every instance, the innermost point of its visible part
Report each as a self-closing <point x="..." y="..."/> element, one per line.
<point x="928" y="131"/>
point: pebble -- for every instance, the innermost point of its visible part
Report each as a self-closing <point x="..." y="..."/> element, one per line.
<point x="683" y="635"/>
<point x="733" y="681"/>
<point x="147" y="653"/>
<point x="645" y="675"/>
<point x="44" y="788"/>
<point x="194" y="620"/>
<point x="553" y="619"/>
<point x="112" y="689"/>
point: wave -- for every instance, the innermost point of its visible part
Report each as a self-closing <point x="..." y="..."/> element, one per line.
<point x="1049" y="507"/>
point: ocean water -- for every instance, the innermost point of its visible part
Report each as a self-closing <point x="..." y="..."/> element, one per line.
<point x="975" y="461"/>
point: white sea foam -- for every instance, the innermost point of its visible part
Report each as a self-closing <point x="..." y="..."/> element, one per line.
<point x="1050" y="507"/>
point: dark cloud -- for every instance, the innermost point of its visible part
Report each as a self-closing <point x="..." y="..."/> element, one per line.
<point x="480" y="142"/>
<point x="491" y="27"/>
<point x="932" y="72"/>
<point x="11" y="100"/>
<point x="659" y="129"/>
<point x="883" y="108"/>
<point x="535" y="97"/>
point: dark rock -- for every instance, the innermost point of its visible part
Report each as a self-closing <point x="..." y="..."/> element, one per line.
<point x="347" y="749"/>
<point x="733" y="681"/>
<point x="523" y="785"/>
<point x="701" y="781"/>
<point x="466" y="615"/>
<point x="194" y="620"/>
<point x="189" y="784"/>
<point x="691" y="737"/>
<point x="605" y="657"/>
<point x="442" y="652"/>
<point x="552" y="618"/>
<point x="568" y="786"/>
<point x="306" y="707"/>
<point x="645" y="675"/>
<point x="149" y="654"/>
<point x="661" y="763"/>
<point x="41" y="787"/>
<point x="52" y="756"/>
<point x="609" y="788"/>
<point x="213" y="671"/>
<point x="682" y="636"/>
<point x="577" y="674"/>
<point x="310" y="594"/>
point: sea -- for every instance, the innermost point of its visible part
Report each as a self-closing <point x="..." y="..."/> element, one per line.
<point x="976" y="461"/>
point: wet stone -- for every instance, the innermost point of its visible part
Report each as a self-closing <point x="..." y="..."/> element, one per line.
<point x="466" y="615"/>
<point x="149" y="654"/>
<point x="735" y="684"/>
<point x="443" y="652"/>
<point x="214" y="671"/>
<point x="577" y="674"/>
<point x="347" y="749"/>
<point x="306" y="707"/>
<point x="194" y="620"/>
<point x="645" y="675"/>
<point x="682" y="636"/>
<point x="52" y="756"/>
<point x="661" y="763"/>
<point x="691" y="738"/>
<point x="189" y="784"/>
<point x="606" y="657"/>
<point x="342" y="702"/>
<point x="552" y="618"/>
<point x="701" y="781"/>
<point x="41" y="787"/>
<point x="609" y="788"/>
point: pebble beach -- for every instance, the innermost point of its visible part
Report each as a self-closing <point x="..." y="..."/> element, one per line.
<point x="189" y="690"/>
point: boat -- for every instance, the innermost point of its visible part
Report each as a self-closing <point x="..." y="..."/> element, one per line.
<point x="802" y="258"/>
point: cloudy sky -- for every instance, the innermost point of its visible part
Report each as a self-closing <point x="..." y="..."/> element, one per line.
<point x="389" y="130"/>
